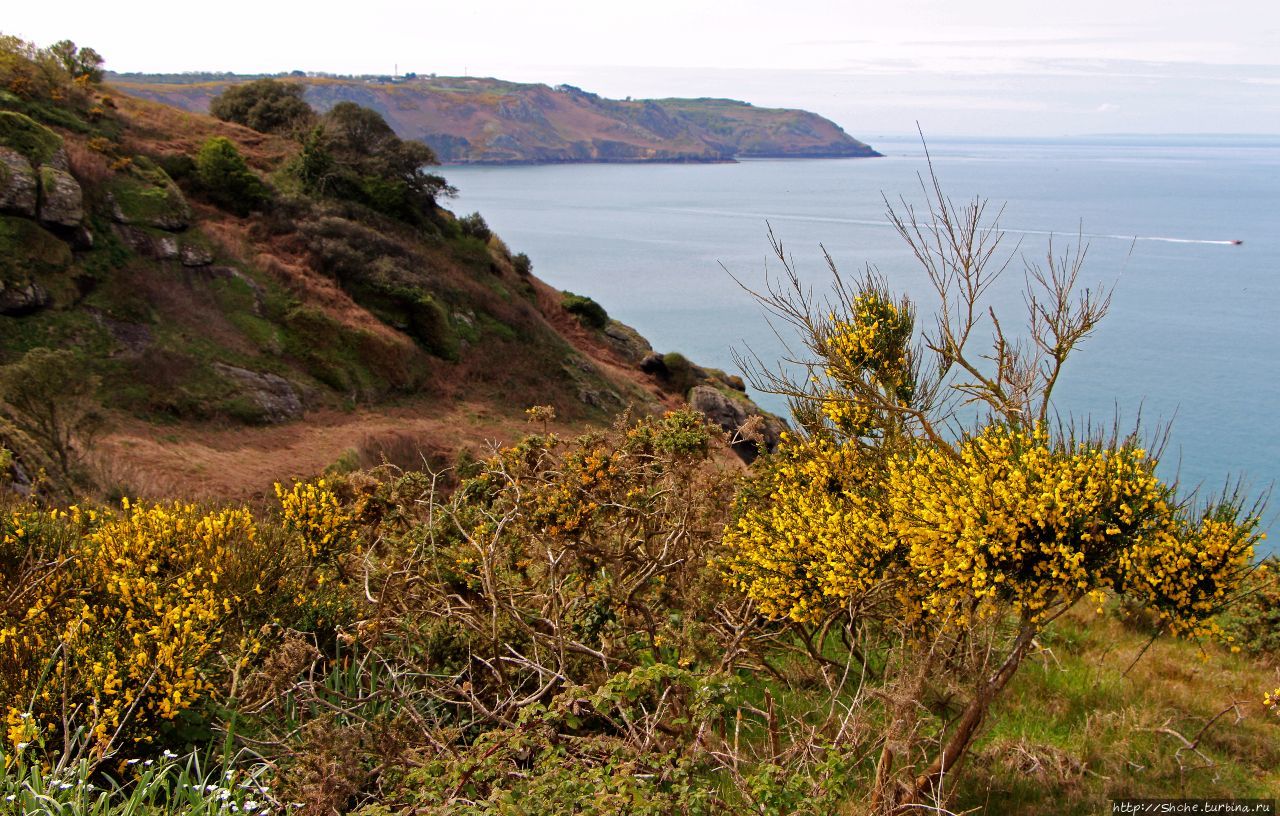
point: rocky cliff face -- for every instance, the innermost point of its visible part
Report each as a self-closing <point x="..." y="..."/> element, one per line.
<point x="468" y="120"/>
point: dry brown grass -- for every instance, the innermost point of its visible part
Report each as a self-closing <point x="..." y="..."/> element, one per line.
<point x="156" y="128"/>
<point x="89" y="166"/>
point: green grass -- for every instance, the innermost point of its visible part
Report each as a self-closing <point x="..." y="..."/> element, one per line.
<point x="1074" y="731"/>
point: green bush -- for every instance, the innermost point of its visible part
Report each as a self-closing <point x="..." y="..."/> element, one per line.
<point x="681" y="374"/>
<point x="586" y="310"/>
<point x="1253" y="622"/>
<point x="474" y="226"/>
<point x="225" y="178"/>
<point x="523" y="265"/>
<point x="354" y="155"/>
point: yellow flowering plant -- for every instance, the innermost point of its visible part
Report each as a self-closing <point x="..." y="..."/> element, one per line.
<point x="117" y="623"/>
<point x="929" y="502"/>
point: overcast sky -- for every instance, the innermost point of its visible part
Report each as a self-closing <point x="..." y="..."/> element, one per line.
<point x="982" y="67"/>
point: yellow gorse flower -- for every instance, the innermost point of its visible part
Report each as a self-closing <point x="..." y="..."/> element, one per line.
<point x="1009" y="520"/>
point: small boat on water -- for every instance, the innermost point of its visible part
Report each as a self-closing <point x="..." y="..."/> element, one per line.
<point x="1237" y="243"/>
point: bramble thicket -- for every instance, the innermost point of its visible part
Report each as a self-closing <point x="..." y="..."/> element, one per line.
<point x="934" y="595"/>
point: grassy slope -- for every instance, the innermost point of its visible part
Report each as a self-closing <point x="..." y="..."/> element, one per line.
<point x="1075" y="730"/>
<point x="156" y="331"/>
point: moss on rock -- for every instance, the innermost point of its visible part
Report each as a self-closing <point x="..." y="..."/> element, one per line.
<point x="28" y="137"/>
<point x="146" y="196"/>
<point x="28" y="250"/>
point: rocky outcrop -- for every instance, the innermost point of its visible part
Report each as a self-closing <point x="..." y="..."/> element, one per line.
<point x="159" y="245"/>
<point x="30" y="256"/>
<point x="627" y="342"/>
<point x="194" y="255"/>
<point x="22" y="297"/>
<point x="61" y="199"/>
<point x="147" y="197"/>
<point x="35" y="177"/>
<point x="17" y="183"/>
<point x="749" y="428"/>
<point x="275" y="397"/>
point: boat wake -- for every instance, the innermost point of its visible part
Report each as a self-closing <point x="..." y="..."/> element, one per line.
<point x="868" y="222"/>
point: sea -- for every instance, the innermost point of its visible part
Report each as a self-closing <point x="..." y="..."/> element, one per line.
<point x="1185" y="230"/>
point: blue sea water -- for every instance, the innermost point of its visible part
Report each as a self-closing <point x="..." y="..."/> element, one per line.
<point x="1192" y="337"/>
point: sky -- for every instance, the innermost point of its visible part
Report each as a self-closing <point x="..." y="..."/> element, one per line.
<point x="956" y="67"/>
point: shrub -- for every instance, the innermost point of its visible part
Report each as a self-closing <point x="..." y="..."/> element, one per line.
<point x="1253" y="623"/>
<point x="585" y="309"/>
<point x="474" y="226"/>
<point x="225" y="178"/>
<point x="679" y="375"/>
<point x="51" y="397"/>
<point x="522" y="264"/>
<point x="122" y="625"/>
<point x="353" y="154"/>
<point x="948" y="550"/>
<point x="48" y="82"/>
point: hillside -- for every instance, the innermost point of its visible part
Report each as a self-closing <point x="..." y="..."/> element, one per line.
<point x="234" y="578"/>
<point x="489" y="121"/>
<point x="222" y="328"/>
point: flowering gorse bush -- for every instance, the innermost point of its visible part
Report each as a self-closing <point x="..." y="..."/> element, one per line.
<point x="115" y="622"/>
<point x="929" y="503"/>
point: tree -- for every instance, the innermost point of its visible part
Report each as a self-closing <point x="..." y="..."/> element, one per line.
<point x="355" y="155"/>
<point x="932" y="506"/>
<point x="226" y="179"/>
<point x="49" y="396"/>
<point x="266" y="105"/>
<point x="79" y="63"/>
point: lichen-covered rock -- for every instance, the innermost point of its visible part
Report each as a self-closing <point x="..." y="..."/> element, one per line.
<point x="747" y="425"/>
<point x="627" y="342"/>
<point x="17" y="183"/>
<point x="194" y="255"/>
<point x="147" y="197"/>
<point x="61" y="199"/>
<point x="274" y="397"/>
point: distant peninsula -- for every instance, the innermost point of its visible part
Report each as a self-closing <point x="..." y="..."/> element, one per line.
<point x="468" y="120"/>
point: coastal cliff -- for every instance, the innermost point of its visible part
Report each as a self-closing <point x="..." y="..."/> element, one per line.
<point x="468" y="120"/>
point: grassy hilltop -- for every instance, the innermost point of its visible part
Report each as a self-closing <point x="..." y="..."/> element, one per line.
<point x="254" y="558"/>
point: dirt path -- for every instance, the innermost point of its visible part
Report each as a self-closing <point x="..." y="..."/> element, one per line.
<point x="233" y="463"/>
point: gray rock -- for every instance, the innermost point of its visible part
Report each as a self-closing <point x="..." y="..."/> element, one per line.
<point x="194" y="255"/>
<point x="156" y="247"/>
<point x="22" y="297"/>
<point x="18" y="184"/>
<point x="61" y="199"/>
<point x="59" y="161"/>
<point x="156" y="203"/>
<point x="652" y="363"/>
<point x="739" y="418"/>
<point x="627" y="342"/>
<point x="275" y="396"/>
